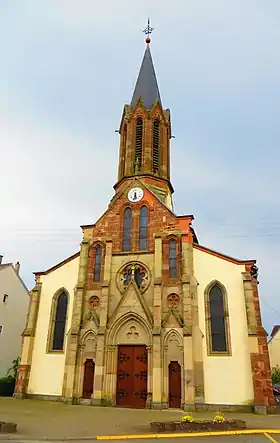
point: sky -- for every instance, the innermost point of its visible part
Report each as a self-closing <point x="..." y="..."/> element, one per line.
<point x="67" y="69"/>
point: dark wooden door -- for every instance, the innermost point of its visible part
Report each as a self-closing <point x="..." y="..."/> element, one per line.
<point x="88" y="378"/>
<point x="174" y="375"/>
<point x="132" y="376"/>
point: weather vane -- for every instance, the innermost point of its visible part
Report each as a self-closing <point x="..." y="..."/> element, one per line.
<point x="148" y="31"/>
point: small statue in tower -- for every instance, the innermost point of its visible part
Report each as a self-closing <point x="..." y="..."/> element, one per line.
<point x="254" y="272"/>
<point x="137" y="165"/>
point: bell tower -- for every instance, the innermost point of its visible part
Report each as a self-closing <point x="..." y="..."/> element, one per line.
<point x="145" y="133"/>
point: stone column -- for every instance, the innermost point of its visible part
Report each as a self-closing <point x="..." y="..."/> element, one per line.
<point x="28" y="337"/>
<point x="100" y="354"/>
<point x="197" y="347"/>
<point x="129" y="153"/>
<point x="260" y="364"/>
<point x="70" y="371"/>
<point x="156" y="354"/>
<point x="157" y="282"/>
<point x="157" y="372"/>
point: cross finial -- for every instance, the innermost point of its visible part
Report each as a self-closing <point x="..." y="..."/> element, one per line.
<point x="148" y="30"/>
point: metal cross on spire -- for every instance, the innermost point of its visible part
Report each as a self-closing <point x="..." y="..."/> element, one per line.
<point x="148" y="30"/>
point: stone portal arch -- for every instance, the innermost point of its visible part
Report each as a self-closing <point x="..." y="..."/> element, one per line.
<point x="173" y="352"/>
<point x="87" y="352"/>
<point x="131" y="329"/>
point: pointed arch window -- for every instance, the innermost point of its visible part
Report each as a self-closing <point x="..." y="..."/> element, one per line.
<point x="60" y="322"/>
<point x="127" y="229"/>
<point x="123" y="151"/>
<point x="143" y="228"/>
<point x="139" y="143"/>
<point x="156" y="129"/>
<point x="97" y="263"/>
<point x="173" y="273"/>
<point x="217" y="320"/>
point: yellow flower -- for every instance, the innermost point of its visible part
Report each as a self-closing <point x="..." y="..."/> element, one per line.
<point x="187" y="419"/>
<point x="219" y="419"/>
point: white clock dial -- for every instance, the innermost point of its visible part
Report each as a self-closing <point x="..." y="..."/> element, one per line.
<point x="135" y="195"/>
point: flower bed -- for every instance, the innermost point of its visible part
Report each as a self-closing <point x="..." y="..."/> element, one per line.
<point x="7" y="428"/>
<point x="197" y="426"/>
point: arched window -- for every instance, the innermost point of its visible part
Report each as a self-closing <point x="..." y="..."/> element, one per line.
<point x="139" y="142"/>
<point x="127" y="228"/>
<point x="60" y="322"/>
<point x="123" y="152"/>
<point x="156" y="128"/>
<point x="143" y="228"/>
<point x="217" y="321"/>
<point x="172" y="258"/>
<point x="97" y="263"/>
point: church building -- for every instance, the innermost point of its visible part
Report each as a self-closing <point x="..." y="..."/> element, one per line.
<point x="143" y="315"/>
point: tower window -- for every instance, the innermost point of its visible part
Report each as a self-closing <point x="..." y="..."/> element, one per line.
<point x="97" y="263"/>
<point x="123" y="151"/>
<point x="156" y="128"/>
<point x="127" y="228"/>
<point x="172" y="259"/>
<point x="143" y="229"/>
<point x="139" y="143"/>
<point x="60" y="322"/>
<point x="217" y="320"/>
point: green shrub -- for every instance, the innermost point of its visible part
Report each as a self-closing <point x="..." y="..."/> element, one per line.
<point x="275" y="374"/>
<point x="7" y="386"/>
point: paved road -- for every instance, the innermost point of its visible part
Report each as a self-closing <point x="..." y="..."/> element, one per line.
<point x="216" y="439"/>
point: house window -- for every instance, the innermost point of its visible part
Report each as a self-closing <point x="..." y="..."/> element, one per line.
<point x="138" y="145"/>
<point x="156" y="128"/>
<point x="5" y="298"/>
<point x="172" y="258"/>
<point x="143" y="228"/>
<point x="97" y="263"/>
<point x="127" y="228"/>
<point x="217" y="320"/>
<point x="60" y="322"/>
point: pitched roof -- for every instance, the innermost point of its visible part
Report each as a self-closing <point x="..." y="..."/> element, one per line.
<point x="274" y="331"/>
<point x="146" y="86"/>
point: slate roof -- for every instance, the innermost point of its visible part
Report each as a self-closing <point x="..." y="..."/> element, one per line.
<point x="146" y="86"/>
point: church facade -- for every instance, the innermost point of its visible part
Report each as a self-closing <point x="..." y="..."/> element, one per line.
<point x="143" y="315"/>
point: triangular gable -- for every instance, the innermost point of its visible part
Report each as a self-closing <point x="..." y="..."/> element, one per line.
<point x="132" y="301"/>
<point x="177" y="316"/>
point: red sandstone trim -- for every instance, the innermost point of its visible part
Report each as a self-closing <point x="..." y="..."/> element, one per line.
<point x="223" y="256"/>
<point x="58" y="265"/>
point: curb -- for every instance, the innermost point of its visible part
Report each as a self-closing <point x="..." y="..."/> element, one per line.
<point x="21" y="439"/>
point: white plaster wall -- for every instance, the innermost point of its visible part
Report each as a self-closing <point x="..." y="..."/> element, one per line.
<point x="274" y="350"/>
<point x="13" y="315"/>
<point x="228" y="379"/>
<point x="47" y="370"/>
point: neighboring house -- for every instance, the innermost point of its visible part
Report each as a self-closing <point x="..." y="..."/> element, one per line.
<point x="143" y="314"/>
<point x="274" y="347"/>
<point x="14" y="301"/>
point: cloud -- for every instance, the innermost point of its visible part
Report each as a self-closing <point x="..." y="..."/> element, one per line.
<point x="68" y="68"/>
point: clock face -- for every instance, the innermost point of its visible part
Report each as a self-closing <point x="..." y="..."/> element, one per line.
<point x="135" y="195"/>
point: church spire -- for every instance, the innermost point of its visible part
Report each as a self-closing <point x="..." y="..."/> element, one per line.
<point x="145" y="133"/>
<point x="146" y="87"/>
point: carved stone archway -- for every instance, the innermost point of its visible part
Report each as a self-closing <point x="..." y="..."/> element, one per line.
<point x="130" y="329"/>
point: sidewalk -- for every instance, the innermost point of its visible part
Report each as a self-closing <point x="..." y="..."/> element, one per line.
<point x="37" y="419"/>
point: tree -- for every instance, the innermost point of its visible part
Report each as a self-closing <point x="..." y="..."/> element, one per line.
<point x="275" y="374"/>
<point x="12" y="372"/>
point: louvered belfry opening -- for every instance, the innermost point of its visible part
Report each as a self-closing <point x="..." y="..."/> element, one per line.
<point x="139" y="144"/>
<point x="156" y="146"/>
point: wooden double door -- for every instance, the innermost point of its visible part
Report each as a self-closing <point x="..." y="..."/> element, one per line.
<point x="132" y="376"/>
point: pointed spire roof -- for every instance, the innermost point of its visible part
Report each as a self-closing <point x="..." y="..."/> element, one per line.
<point x="146" y="86"/>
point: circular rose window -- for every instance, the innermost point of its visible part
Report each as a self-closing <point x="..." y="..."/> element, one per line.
<point x="134" y="272"/>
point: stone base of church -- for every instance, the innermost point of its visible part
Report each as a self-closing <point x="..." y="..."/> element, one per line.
<point x="197" y="407"/>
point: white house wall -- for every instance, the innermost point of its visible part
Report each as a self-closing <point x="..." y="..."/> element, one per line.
<point x="47" y="370"/>
<point x="274" y="350"/>
<point x="228" y="379"/>
<point x="13" y="315"/>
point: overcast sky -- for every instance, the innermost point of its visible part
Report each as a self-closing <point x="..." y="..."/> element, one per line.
<point x="67" y="69"/>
